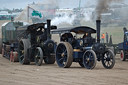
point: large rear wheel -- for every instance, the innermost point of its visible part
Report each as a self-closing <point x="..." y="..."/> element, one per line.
<point x="64" y="52"/>
<point x="89" y="59"/>
<point x="108" y="59"/>
<point x="38" y="56"/>
<point x="24" y="44"/>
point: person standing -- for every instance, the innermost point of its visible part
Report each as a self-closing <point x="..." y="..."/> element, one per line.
<point x="103" y="36"/>
<point x="106" y="37"/>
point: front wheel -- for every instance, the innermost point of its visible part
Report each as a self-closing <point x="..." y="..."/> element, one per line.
<point x="108" y="59"/>
<point x="38" y="56"/>
<point x="89" y="59"/>
<point x="122" y="55"/>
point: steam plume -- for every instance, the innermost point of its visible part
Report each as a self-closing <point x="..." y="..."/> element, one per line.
<point x="103" y="5"/>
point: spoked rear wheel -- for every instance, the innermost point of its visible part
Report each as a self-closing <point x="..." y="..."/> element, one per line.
<point x="89" y="59"/>
<point x="64" y="52"/>
<point x="24" y="44"/>
<point x="38" y="56"/>
<point x="108" y="59"/>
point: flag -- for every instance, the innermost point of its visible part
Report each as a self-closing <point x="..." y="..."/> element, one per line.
<point x="35" y="15"/>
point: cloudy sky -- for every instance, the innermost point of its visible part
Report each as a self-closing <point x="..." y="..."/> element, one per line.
<point x="63" y="3"/>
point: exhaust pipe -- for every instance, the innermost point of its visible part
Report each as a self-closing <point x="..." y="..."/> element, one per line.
<point x="98" y="22"/>
<point x="48" y="29"/>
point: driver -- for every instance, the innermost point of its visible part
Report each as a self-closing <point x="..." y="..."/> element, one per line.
<point x="85" y="35"/>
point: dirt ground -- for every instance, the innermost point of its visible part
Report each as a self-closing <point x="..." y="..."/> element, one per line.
<point x="17" y="74"/>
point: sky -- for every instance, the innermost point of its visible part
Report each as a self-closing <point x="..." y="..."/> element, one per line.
<point x="63" y="3"/>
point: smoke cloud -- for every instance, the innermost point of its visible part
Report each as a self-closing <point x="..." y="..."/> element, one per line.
<point x="103" y="5"/>
<point x="65" y="19"/>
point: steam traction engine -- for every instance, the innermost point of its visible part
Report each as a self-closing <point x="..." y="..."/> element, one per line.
<point x="124" y="46"/>
<point x="36" y="45"/>
<point x="9" y="42"/>
<point x="86" y="51"/>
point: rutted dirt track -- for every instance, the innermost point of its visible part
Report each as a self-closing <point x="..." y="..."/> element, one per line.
<point x="17" y="74"/>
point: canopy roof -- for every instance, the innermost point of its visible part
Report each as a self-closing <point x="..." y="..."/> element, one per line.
<point x="78" y="30"/>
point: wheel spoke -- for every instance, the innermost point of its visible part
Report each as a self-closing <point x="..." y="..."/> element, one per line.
<point x="105" y="56"/>
<point x="61" y="60"/>
<point x="86" y="57"/>
<point x="108" y="64"/>
<point x="59" y="53"/>
<point x="61" y="49"/>
<point x="111" y="61"/>
<point x="22" y="45"/>
<point x="65" y="54"/>
<point x="91" y="58"/>
<point x="105" y="62"/>
<point x="22" y="56"/>
<point x="89" y="55"/>
<point x="23" y="59"/>
<point x="65" y="51"/>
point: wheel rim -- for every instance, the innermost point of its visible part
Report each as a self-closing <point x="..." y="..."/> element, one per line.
<point x="38" y="56"/>
<point x="61" y="55"/>
<point x="89" y="59"/>
<point x="121" y="55"/>
<point x="108" y="59"/>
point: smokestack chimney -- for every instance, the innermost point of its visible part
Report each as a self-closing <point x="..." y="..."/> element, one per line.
<point x="98" y="22"/>
<point x="48" y="29"/>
